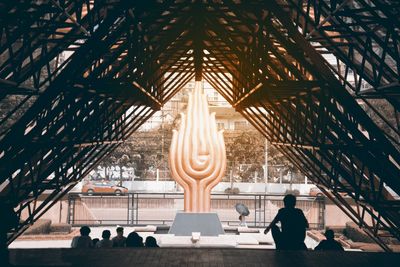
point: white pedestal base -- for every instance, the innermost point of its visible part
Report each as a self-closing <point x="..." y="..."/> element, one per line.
<point x="208" y="224"/>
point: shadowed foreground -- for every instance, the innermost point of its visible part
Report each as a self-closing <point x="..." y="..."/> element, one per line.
<point x="197" y="257"/>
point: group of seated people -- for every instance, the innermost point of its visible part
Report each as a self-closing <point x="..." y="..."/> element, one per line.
<point x="132" y="240"/>
<point x="292" y="234"/>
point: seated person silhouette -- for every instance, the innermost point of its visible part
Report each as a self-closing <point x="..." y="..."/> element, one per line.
<point x="95" y="241"/>
<point x="105" y="242"/>
<point x="84" y="240"/>
<point x="119" y="241"/>
<point x="293" y="224"/>
<point x="151" y="242"/>
<point x="330" y="243"/>
<point x="134" y="240"/>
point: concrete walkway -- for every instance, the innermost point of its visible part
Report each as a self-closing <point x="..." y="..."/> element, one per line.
<point x="247" y="238"/>
<point x="198" y="257"/>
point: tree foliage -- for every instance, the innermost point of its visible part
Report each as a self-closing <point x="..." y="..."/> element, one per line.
<point x="148" y="151"/>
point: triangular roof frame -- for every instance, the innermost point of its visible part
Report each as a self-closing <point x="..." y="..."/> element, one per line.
<point x="123" y="54"/>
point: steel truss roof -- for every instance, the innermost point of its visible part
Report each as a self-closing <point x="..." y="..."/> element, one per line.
<point x="123" y="60"/>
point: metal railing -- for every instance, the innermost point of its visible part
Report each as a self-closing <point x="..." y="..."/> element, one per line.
<point x="138" y="208"/>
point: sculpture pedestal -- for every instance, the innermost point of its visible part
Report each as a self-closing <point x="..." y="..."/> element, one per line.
<point x="208" y="224"/>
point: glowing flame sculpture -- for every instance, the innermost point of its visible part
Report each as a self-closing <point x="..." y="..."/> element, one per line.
<point x="197" y="157"/>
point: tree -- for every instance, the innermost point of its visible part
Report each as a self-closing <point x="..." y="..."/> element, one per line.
<point x="147" y="151"/>
<point x="245" y="153"/>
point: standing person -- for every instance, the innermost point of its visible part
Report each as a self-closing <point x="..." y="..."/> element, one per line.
<point x="119" y="241"/>
<point x="105" y="242"/>
<point x="293" y="224"/>
<point x="330" y="243"/>
<point x="84" y="240"/>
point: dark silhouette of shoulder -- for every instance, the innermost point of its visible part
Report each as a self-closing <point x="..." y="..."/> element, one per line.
<point x="329" y="245"/>
<point x="293" y="217"/>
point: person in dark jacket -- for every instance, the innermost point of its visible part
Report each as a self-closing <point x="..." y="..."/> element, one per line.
<point x="119" y="241"/>
<point x="84" y="240"/>
<point x="330" y="243"/>
<point x="134" y="240"/>
<point x="151" y="242"/>
<point x="105" y="242"/>
<point x="293" y="224"/>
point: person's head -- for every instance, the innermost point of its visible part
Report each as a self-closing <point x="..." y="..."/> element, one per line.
<point x="151" y="242"/>
<point x="289" y="201"/>
<point x="120" y="231"/>
<point x="106" y="234"/>
<point x="134" y="240"/>
<point x="85" y="231"/>
<point x="95" y="240"/>
<point x="329" y="234"/>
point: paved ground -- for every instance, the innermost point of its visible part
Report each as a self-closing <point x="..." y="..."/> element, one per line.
<point x="198" y="257"/>
<point x="243" y="240"/>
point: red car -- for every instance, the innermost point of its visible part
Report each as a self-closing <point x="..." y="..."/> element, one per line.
<point x="103" y="187"/>
<point x="315" y="192"/>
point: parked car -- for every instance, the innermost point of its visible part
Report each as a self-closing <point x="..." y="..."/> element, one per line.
<point x="294" y="192"/>
<point x="315" y="192"/>
<point x="103" y="187"/>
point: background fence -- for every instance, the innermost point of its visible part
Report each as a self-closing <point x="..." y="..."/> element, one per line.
<point x="160" y="208"/>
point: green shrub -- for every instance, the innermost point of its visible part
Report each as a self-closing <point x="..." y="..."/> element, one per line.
<point x="41" y="226"/>
<point x="234" y="190"/>
<point x="60" y="228"/>
<point x="294" y="192"/>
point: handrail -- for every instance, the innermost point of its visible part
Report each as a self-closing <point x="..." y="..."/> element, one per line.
<point x="131" y="214"/>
